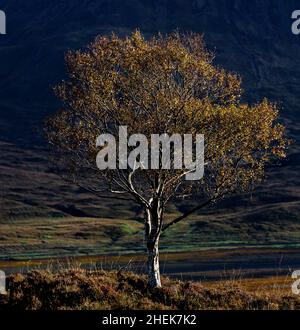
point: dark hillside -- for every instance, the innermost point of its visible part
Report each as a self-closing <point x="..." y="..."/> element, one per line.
<point x="253" y="38"/>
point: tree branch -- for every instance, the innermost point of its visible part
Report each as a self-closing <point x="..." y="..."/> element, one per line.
<point x="98" y="194"/>
<point x="185" y="215"/>
<point x="94" y="191"/>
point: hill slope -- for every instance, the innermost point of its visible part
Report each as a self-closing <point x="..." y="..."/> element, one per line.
<point x="252" y="38"/>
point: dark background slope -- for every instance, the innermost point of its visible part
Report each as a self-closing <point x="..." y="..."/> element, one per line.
<point x="253" y="38"/>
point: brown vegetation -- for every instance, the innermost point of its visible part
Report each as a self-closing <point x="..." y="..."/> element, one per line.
<point x="81" y="289"/>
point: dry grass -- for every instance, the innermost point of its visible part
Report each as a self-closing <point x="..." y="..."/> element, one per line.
<point x="82" y="289"/>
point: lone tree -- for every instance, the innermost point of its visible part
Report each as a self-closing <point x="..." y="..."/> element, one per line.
<point x="163" y="85"/>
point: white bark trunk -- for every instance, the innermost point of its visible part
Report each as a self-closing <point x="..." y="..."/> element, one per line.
<point x="153" y="227"/>
<point x="153" y="266"/>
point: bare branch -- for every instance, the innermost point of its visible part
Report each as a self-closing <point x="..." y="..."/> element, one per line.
<point x="185" y="215"/>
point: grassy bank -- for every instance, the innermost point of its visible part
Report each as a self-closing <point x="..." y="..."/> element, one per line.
<point x="44" y="238"/>
<point x="81" y="289"/>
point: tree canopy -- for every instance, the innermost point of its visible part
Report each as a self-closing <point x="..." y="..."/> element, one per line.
<point x="167" y="84"/>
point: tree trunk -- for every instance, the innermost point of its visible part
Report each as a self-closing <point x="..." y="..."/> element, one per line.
<point x="153" y="225"/>
<point x="153" y="265"/>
